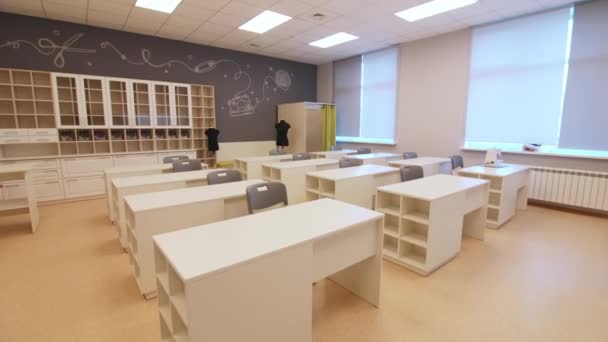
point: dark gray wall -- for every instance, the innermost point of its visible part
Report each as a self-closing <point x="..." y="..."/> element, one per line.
<point x="248" y="87"/>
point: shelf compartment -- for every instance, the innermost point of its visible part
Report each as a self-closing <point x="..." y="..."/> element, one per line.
<point x="7" y="107"/>
<point x="43" y="93"/>
<point x="21" y="77"/>
<point x="391" y="245"/>
<point x="44" y="108"/>
<point x="68" y="148"/>
<point x="46" y="121"/>
<point x="312" y="183"/>
<point x="5" y="76"/>
<point x="495" y="182"/>
<point x="8" y="121"/>
<point x="391" y="225"/>
<point x="412" y="254"/>
<point x="132" y="241"/>
<point x="119" y="147"/>
<point x="25" y="107"/>
<point x="494" y="199"/>
<point x="180" y="326"/>
<point x="164" y="307"/>
<point x="327" y="187"/>
<point x="493" y="214"/>
<point x="414" y="232"/>
<point x="416" y="209"/>
<point x="388" y="203"/>
<point x="86" y="147"/>
<point x="6" y="92"/>
<point x="26" y="121"/>
<point x="311" y="196"/>
<point x="41" y="79"/>
<point x="102" y="147"/>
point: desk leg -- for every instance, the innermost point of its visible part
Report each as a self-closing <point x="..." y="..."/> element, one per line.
<point x="475" y="223"/>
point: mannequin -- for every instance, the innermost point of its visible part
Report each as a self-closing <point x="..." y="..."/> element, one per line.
<point x="212" y="134"/>
<point x="282" y="127"/>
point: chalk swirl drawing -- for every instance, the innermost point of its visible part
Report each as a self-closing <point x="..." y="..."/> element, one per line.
<point x="240" y="104"/>
<point x="47" y="47"/>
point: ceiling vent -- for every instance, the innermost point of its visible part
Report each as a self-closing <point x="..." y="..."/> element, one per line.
<point x="319" y="17"/>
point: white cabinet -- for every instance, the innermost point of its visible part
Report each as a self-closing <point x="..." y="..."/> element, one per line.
<point x="135" y="159"/>
<point x="84" y="186"/>
<point x="119" y="103"/>
<point x="4" y="133"/>
<point x="141" y="95"/>
<point x="14" y="140"/>
<point x="48" y="190"/>
<point x="13" y="190"/>
<point x="67" y="100"/>
<point x="77" y="167"/>
<point x="46" y="174"/>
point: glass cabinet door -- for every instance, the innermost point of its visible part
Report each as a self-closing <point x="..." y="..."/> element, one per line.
<point x="67" y="107"/>
<point x="163" y="104"/>
<point x="182" y="105"/>
<point x="94" y="101"/>
<point x="118" y="102"/>
<point x="141" y="104"/>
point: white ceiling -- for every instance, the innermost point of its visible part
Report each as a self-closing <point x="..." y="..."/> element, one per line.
<point x="215" y="22"/>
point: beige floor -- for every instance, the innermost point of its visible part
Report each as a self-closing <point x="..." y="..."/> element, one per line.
<point x="543" y="277"/>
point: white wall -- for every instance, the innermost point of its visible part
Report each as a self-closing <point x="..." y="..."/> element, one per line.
<point x="325" y="83"/>
<point x="432" y="102"/>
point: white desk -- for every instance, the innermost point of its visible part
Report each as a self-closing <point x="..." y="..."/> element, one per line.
<point x="333" y="154"/>
<point x="355" y="185"/>
<point x="131" y="171"/>
<point x="251" y="167"/>
<point x="249" y="278"/>
<point x="166" y="211"/>
<point x="124" y="186"/>
<point x="380" y="158"/>
<point x="508" y="190"/>
<point x="18" y="206"/>
<point x="430" y="165"/>
<point x="426" y="218"/>
<point x="293" y="175"/>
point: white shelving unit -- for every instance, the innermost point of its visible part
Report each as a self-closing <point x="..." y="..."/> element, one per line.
<point x="508" y="190"/>
<point x="430" y="165"/>
<point x="293" y="175"/>
<point x="251" y="167"/>
<point x="426" y="218"/>
<point x="355" y="185"/>
<point x="125" y="186"/>
<point x="379" y="158"/>
<point x="155" y="213"/>
<point x="252" y="286"/>
<point x="11" y="204"/>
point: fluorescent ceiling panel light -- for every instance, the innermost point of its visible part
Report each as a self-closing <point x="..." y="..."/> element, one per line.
<point x="432" y="8"/>
<point x="264" y="21"/>
<point x="167" y="6"/>
<point x="334" y="39"/>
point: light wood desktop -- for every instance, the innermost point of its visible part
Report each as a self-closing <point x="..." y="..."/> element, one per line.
<point x="426" y="218"/>
<point x="293" y="175"/>
<point x="355" y="185"/>
<point x="251" y="167"/>
<point x="508" y="190"/>
<point x="122" y="187"/>
<point x="17" y="206"/>
<point x="249" y="278"/>
<point x="131" y="171"/>
<point x="379" y="158"/>
<point x="430" y="165"/>
<point x="333" y="154"/>
<point x="155" y="213"/>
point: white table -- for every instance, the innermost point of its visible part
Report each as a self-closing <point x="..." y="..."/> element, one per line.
<point x="426" y="218"/>
<point x="430" y="165"/>
<point x="333" y="154"/>
<point x="355" y="185"/>
<point x="166" y="211"/>
<point x="380" y="158"/>
<point x="251" y="167"/>
<point x="131" y="171"/>
<point x="18" y="206"/>
<point x="293" y="175"/>
<point x="122" y="187"/>
<point x="508" y="190"/>
<point x="250" y="278"/>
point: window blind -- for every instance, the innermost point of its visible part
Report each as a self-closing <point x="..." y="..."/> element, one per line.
<point x="517" y="79"/>
<point x="347" y="96"/>
<point x="585" y="118"/>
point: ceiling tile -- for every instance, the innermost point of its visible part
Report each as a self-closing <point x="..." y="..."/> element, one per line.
<point x="73" y="3"/>
<point x="184" y="22"/>
<point x="232" y="20"/>
<point x="208" y="4"/>
<point x="194" y="11"/>
<point x="109" y="7"/>
<point x="292" y="8"/>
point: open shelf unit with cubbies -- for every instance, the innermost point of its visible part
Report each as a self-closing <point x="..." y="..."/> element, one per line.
<point x="494" y="196"/>
<point x="203" y="117"/>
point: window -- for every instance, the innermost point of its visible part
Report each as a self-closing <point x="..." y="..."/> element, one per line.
<point x="365" y="93"/>
<point x="537" y="80"/>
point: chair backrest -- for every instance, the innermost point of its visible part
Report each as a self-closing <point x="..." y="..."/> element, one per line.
<point x="277" y="152"/>
<point x="224" y="176"/>
<point x="301" y="156"/>
<point x="410" y="155"/>
<point x="187" y="165"/>
<point x="411" y="172"/>
<point x="350" y="162"/>
<point x="457" y="162"/>
<point x="364" y="150"/>
<point x="265" y="195"/>
<point x="335" y="148"/>
<point x="171" y="159"/>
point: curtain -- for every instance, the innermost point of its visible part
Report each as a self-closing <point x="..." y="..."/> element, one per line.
<point x="329" y="126"/>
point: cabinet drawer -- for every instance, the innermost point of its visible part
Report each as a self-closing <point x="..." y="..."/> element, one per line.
<point x="43" y="131"/>
<point x="41" y="164"/>
<point x="14" y="140"/>
<point x="13" y="132"/>
<point x="85" y="166"/>
<point x="13" y="190"/>
<point x="45" y="174"/>
<point x="43" y="139"/>
<point x="84" y="186"/>
<point x="135" y="159"/>
<point x="48" y="190"/>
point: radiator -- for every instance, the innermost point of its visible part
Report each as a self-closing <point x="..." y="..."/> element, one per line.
<point x="576" y="188"/>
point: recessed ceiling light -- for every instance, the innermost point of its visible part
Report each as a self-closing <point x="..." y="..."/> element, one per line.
<point x="264" y="21"/>
<point x="167" y="6"/>
<point x="432" y="8"/>
<point x="334" y="39"/>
